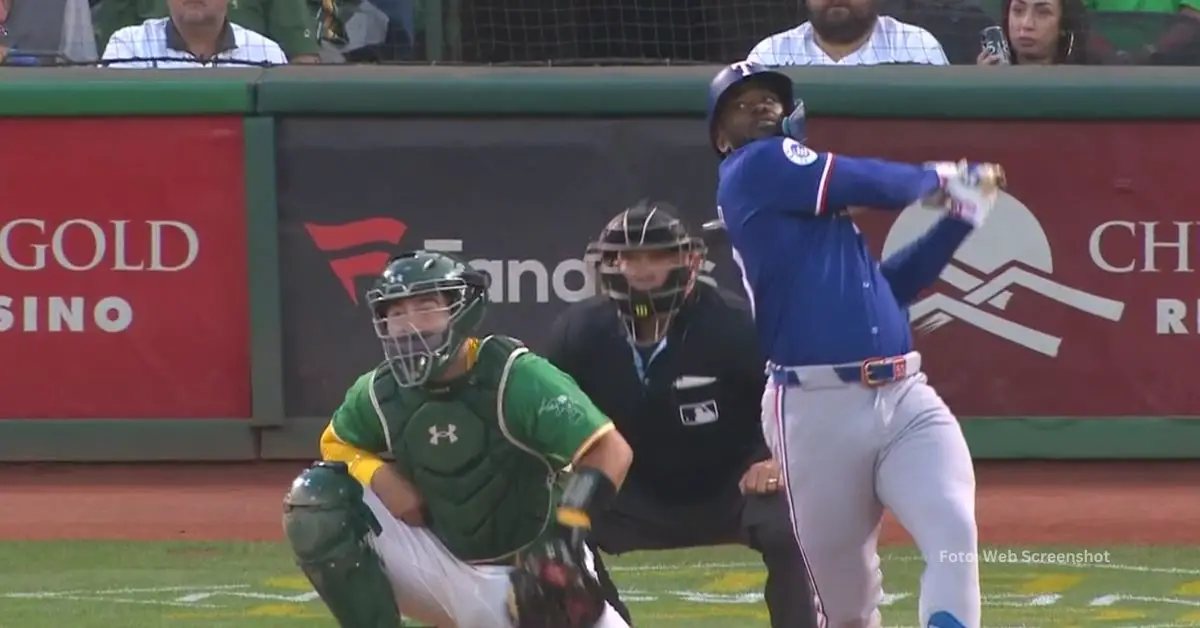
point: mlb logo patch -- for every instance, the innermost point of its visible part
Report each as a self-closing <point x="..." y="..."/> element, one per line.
<point x="699" y="413"/>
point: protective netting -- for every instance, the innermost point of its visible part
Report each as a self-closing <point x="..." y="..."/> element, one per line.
<point x="655" y="32"/>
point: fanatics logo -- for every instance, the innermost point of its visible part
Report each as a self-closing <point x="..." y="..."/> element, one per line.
<point x="380" y="234"/>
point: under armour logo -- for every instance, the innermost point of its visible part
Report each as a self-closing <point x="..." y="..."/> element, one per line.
<point x="436" y="435"/>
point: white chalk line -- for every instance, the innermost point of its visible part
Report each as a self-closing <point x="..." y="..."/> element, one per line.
<point x="96" y="595"/>
<point x="193" y="588"/>
<point x="718" y="566"/>
<point x="683" y="566"/>
<point x="1166" y="570"/>
<point x="121" y="600"/>
<point x="105" y="595"/>
<point x="642" y="568"/>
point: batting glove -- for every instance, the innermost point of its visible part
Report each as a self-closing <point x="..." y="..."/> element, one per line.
<point x="945" y="169"/>
<point x="938" y="199"/>
<point x="969" y="191"/>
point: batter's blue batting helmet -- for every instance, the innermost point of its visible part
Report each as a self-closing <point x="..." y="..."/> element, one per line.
<point x="733" y="75"/>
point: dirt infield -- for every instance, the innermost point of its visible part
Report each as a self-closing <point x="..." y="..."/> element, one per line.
<point x="1018" y="502"/>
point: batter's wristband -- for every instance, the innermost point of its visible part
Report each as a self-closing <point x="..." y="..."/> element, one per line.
<point x="588" y="493"/>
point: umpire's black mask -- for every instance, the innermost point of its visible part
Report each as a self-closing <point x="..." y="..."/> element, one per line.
<point x="647" y="263"/>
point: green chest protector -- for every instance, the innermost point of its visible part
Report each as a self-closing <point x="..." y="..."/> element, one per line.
<point x="487" y="496"/>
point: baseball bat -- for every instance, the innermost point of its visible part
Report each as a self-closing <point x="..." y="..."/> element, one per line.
<point x="714" y="234"/>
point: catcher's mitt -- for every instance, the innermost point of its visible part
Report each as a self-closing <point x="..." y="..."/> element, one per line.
<point x="551" y="587"/>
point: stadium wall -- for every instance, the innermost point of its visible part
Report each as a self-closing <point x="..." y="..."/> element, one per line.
<point x="290" y="184"/>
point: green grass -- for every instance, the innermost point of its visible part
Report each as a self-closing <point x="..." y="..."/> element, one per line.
<point x="254" y="585"/>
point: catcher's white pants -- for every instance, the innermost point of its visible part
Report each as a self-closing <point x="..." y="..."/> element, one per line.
<point x="434" y="587"/>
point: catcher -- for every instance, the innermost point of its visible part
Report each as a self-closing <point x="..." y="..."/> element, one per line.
<point x="468" y="528"/>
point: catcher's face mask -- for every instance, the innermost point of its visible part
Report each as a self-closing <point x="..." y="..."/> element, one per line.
<point x="417" y="334"/>
<point x="648" y="285"/>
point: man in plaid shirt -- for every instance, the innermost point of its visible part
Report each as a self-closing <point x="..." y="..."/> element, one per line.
<point x="197" y="34"/>
<point x="292" y="23"/>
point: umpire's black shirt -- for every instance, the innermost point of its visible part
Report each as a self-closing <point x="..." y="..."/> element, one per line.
<point x="693" y="421"/>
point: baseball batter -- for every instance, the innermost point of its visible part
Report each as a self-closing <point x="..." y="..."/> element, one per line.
<point x="847" y="411"/>
<point x="468" y="528"/>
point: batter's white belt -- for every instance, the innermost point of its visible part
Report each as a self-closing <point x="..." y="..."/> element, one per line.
<point x="871" y="373"/>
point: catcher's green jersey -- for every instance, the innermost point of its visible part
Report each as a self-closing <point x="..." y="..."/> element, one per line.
<point x="484" y="451"/>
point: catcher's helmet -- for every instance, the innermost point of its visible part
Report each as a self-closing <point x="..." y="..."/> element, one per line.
<point x="647" y="227"/>
<point x="419" y="345"/>
<point x="737" y="74"/>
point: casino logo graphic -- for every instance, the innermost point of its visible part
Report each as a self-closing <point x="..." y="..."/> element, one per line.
<point x="1010" y="250"/>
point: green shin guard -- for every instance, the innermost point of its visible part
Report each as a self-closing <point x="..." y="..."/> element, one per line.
<point x="327" y="524"/>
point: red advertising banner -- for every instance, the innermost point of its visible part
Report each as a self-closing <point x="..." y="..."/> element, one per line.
<point x="1078" y="297"/>
<point x="123" y="287"/>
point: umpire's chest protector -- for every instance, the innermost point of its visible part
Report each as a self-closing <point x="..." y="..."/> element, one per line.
<point x="698" y="400"/>
<point x="486" y="497"/>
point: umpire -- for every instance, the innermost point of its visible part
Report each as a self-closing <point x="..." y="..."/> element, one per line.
<point x="674" y="362"/>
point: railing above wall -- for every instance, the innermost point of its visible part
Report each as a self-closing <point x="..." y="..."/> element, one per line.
<point x="869" y="92"/>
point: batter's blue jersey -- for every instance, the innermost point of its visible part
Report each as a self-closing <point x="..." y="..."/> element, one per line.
<point x="818" y="294"/>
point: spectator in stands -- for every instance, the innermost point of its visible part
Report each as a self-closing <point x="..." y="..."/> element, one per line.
<point x="292" y="23"/>
<point x="360" y="33"/>
<point x="849" y="32"/>
<point x="197" y="33"/>
<point x="1142" y="33"/>
<point x="400" y="24"/>
<point x="44" y="32"/>
<point x="1043" y="32"/>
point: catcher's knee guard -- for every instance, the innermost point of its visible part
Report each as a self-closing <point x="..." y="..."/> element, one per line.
<point x="327" y="524"/>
